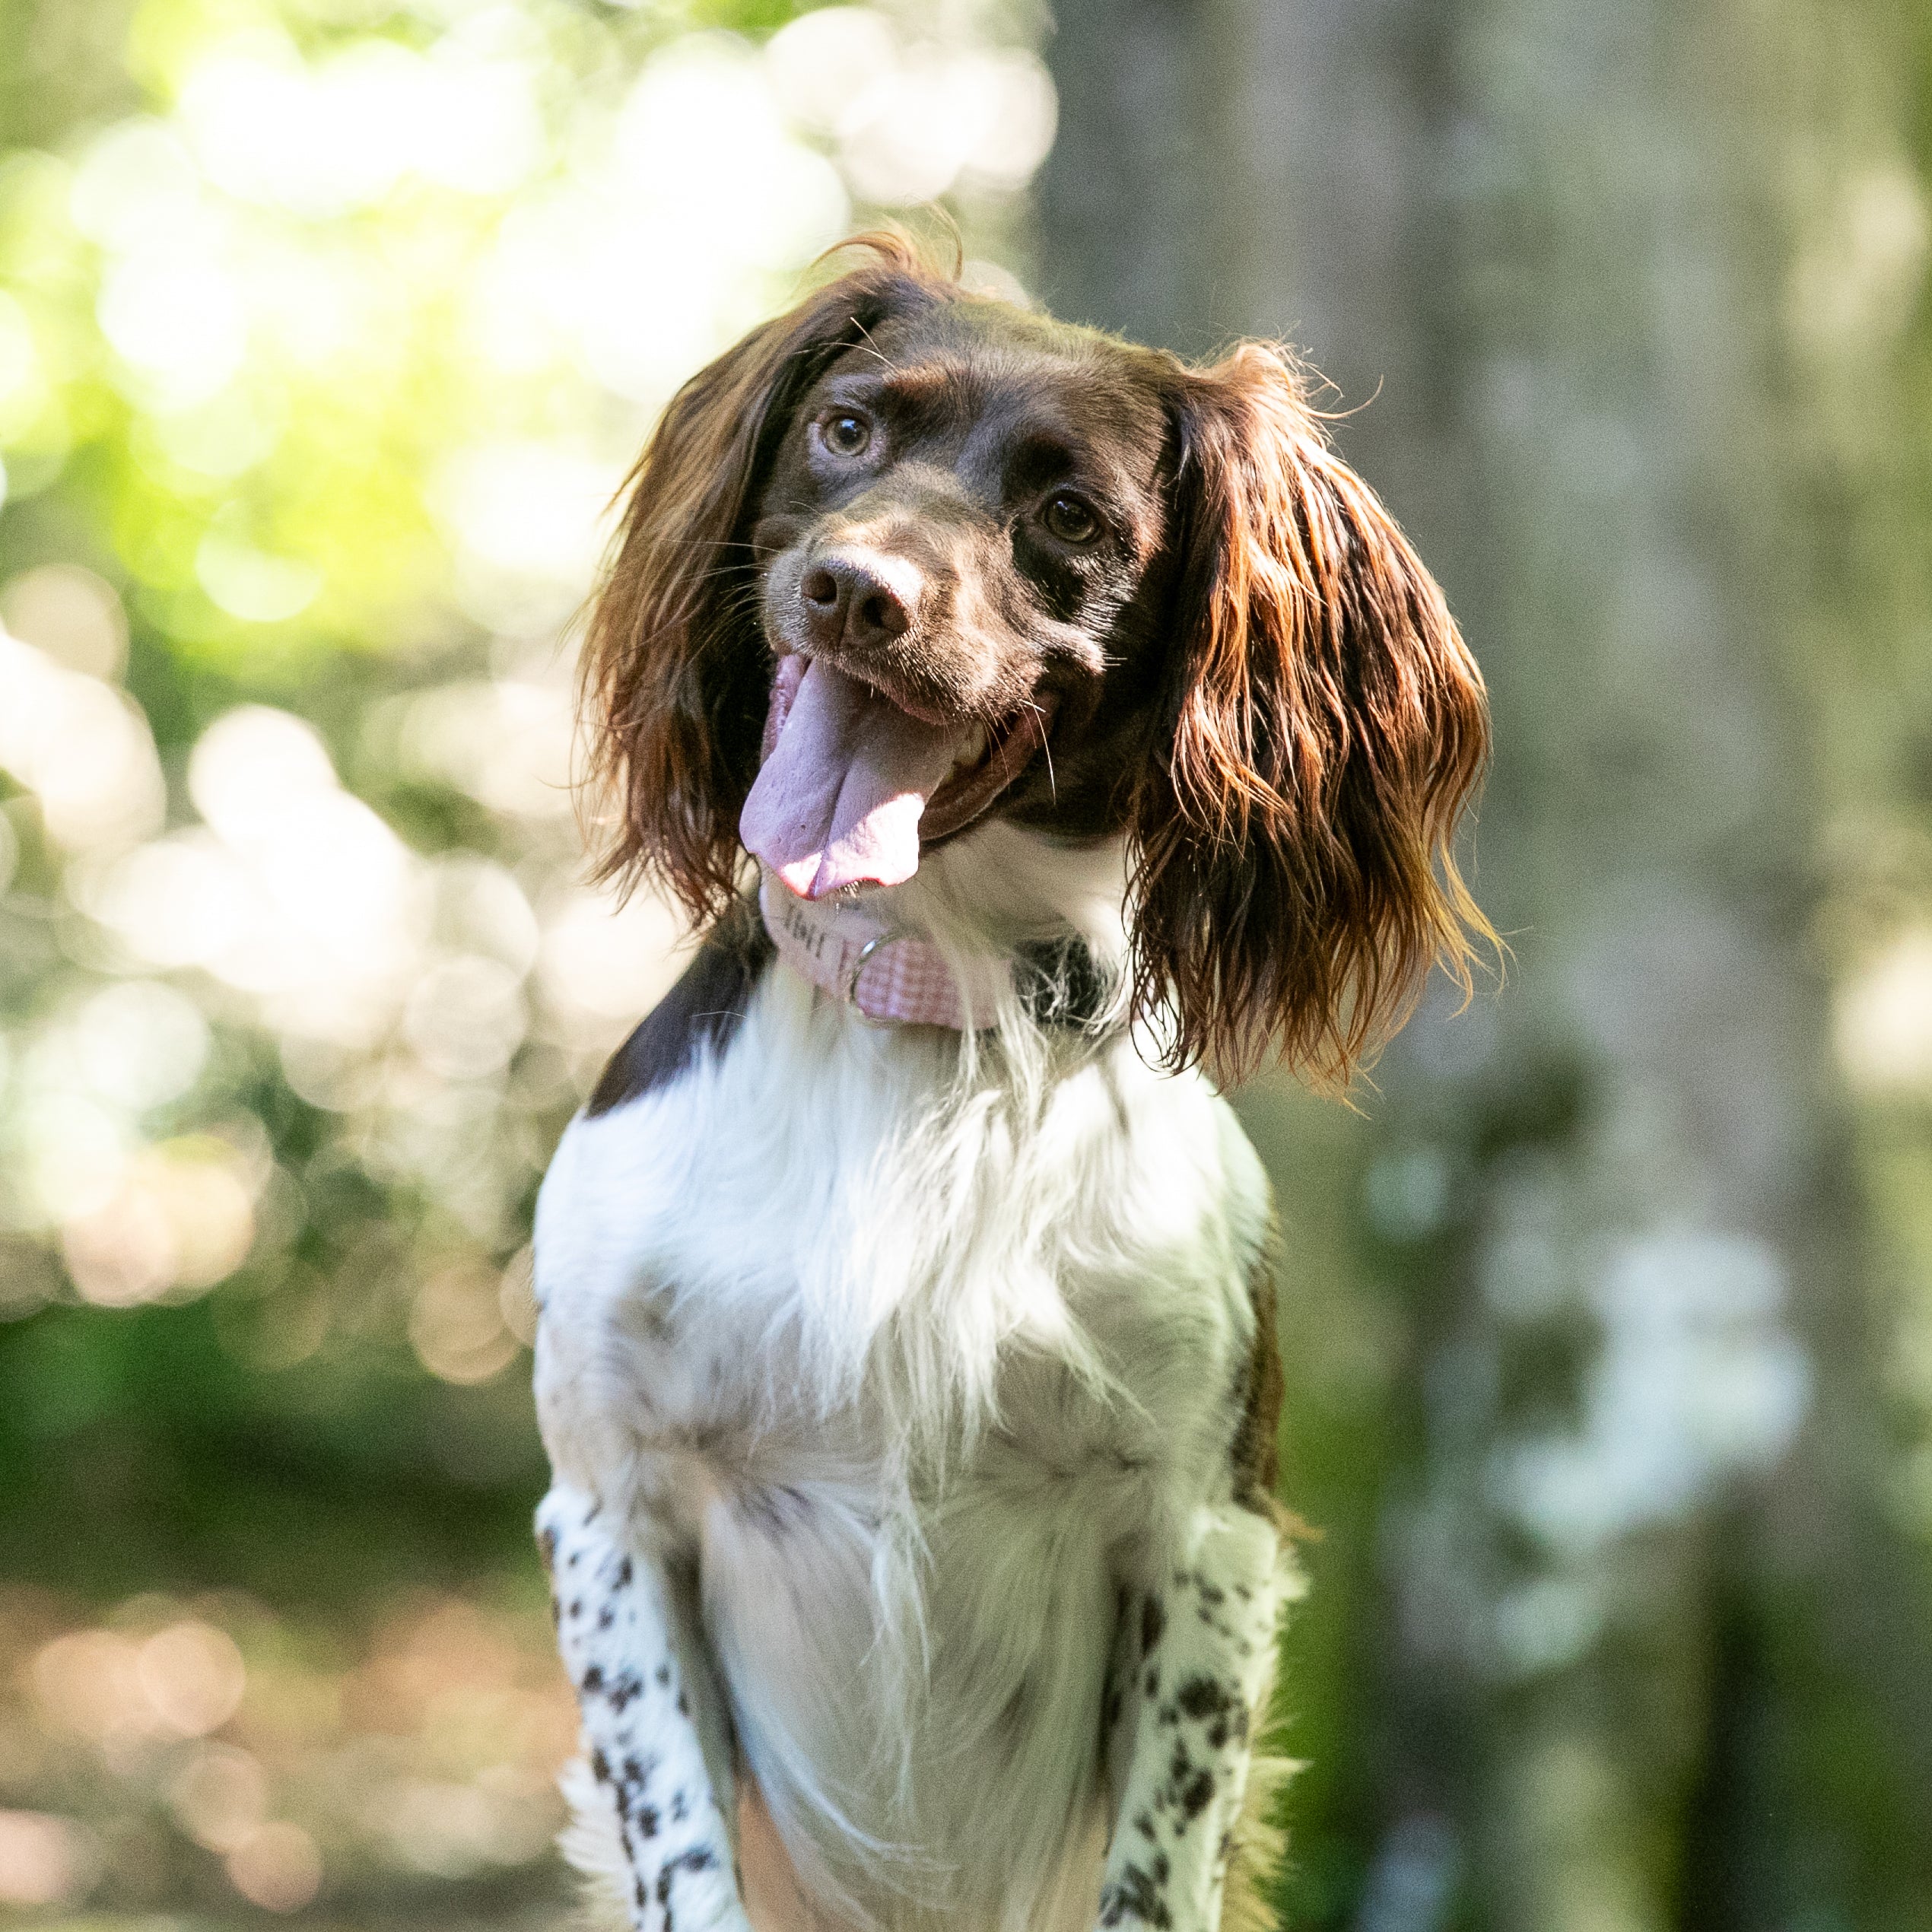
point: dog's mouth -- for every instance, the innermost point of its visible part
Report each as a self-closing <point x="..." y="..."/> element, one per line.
<point x="852" y="783"/>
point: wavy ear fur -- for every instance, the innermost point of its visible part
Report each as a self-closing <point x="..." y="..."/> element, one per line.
<point x="1323" y="728"/>
<point x="675" y="672"/>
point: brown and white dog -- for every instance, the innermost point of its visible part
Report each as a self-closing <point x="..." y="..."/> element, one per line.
<point x="906" y="1359"/>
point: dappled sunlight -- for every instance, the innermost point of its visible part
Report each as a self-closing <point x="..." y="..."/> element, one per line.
<point x="1884" y="1019"/>
<point x="81" y="747"/>
<point x="911" y="120"/>
<point x="181" y="1215"/>
<point x="227" y="1755"/>
<point x="507" y="743"/>
<point x="71" y="613"/>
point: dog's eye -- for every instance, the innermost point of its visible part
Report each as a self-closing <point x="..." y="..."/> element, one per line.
<point x="1070" y="519"/>
<point x="845" y="432"/>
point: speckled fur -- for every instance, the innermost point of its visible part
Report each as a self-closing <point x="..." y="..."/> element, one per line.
<point x="903" y="1397"/>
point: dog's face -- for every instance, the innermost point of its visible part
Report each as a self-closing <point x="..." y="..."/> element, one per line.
<point x="960" y="550"/>
<point x="906" y="559"/>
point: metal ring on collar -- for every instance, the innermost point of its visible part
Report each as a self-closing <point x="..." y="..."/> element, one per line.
<point x="859" y="965"/>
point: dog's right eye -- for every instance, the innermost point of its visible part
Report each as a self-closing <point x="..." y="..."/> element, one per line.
<point x="845" y="432"/>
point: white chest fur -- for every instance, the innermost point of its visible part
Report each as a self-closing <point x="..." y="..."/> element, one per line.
<point x="915" y="1375"/>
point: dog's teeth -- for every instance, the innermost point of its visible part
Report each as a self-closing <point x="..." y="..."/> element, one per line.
<point x="972" y="751"/>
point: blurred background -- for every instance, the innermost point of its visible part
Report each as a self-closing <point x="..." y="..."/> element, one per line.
<point x="327" y="327"/>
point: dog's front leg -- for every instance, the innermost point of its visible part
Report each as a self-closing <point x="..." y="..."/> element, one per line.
<point x="1192" y="1662"/>
<point x="657" y="1736"/>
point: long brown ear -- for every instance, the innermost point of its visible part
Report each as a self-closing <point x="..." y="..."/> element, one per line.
<point x="1324" y="728"/>
<point x="676" y="670"/>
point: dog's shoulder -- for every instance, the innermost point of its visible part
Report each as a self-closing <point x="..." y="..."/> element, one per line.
<point x="705" y="1009"/>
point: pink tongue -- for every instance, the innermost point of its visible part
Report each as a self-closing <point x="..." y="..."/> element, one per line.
<point x="838" y="799"/>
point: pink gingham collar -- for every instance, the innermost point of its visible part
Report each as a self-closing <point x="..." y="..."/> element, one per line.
<point x="842" y="946"/>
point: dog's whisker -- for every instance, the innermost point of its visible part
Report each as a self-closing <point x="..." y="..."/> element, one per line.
<point x="1046" y="745"/>
<point x="871" y="348"/>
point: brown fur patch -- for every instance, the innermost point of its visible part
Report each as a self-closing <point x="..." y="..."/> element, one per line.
<point x="1256" y="1453"/>
<point x="704" y="1009"/>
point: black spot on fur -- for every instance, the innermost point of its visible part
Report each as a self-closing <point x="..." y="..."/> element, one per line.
<point x="1153" y="1682"/>
<point x="600" y="1767"/>
<point x="594" y="1680"/>
<point x="625" y="1692"/>
<point x="1153" y="1621"/>
<point x="1202" y="1697"/>
<point x="547" y="1547"/>
<point x="1136" y="1895"/>
<point x="1195" y="1793"/>
<point x="705" y="1009"/>
<point x="699" y="1858"/>
<point x="623" y="1573"/>
<point x="1144" y="1826"/>
<point x="647" y="1821"/>
<point x="663" y="1673"/>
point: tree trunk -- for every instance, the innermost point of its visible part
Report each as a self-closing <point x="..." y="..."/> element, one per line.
<point x="1642" y="1639"/>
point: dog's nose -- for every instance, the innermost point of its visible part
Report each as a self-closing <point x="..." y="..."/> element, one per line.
<point x="860" y="600"/>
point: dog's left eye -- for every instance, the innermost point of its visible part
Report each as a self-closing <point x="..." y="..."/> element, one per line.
<point x="845" y="432"/>
<point x="1070" y="519"/>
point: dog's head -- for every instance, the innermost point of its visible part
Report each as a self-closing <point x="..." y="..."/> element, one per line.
<point x="906" y="558"/>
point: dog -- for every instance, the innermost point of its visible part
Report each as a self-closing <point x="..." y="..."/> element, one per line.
<point x="906" y="1354"/>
